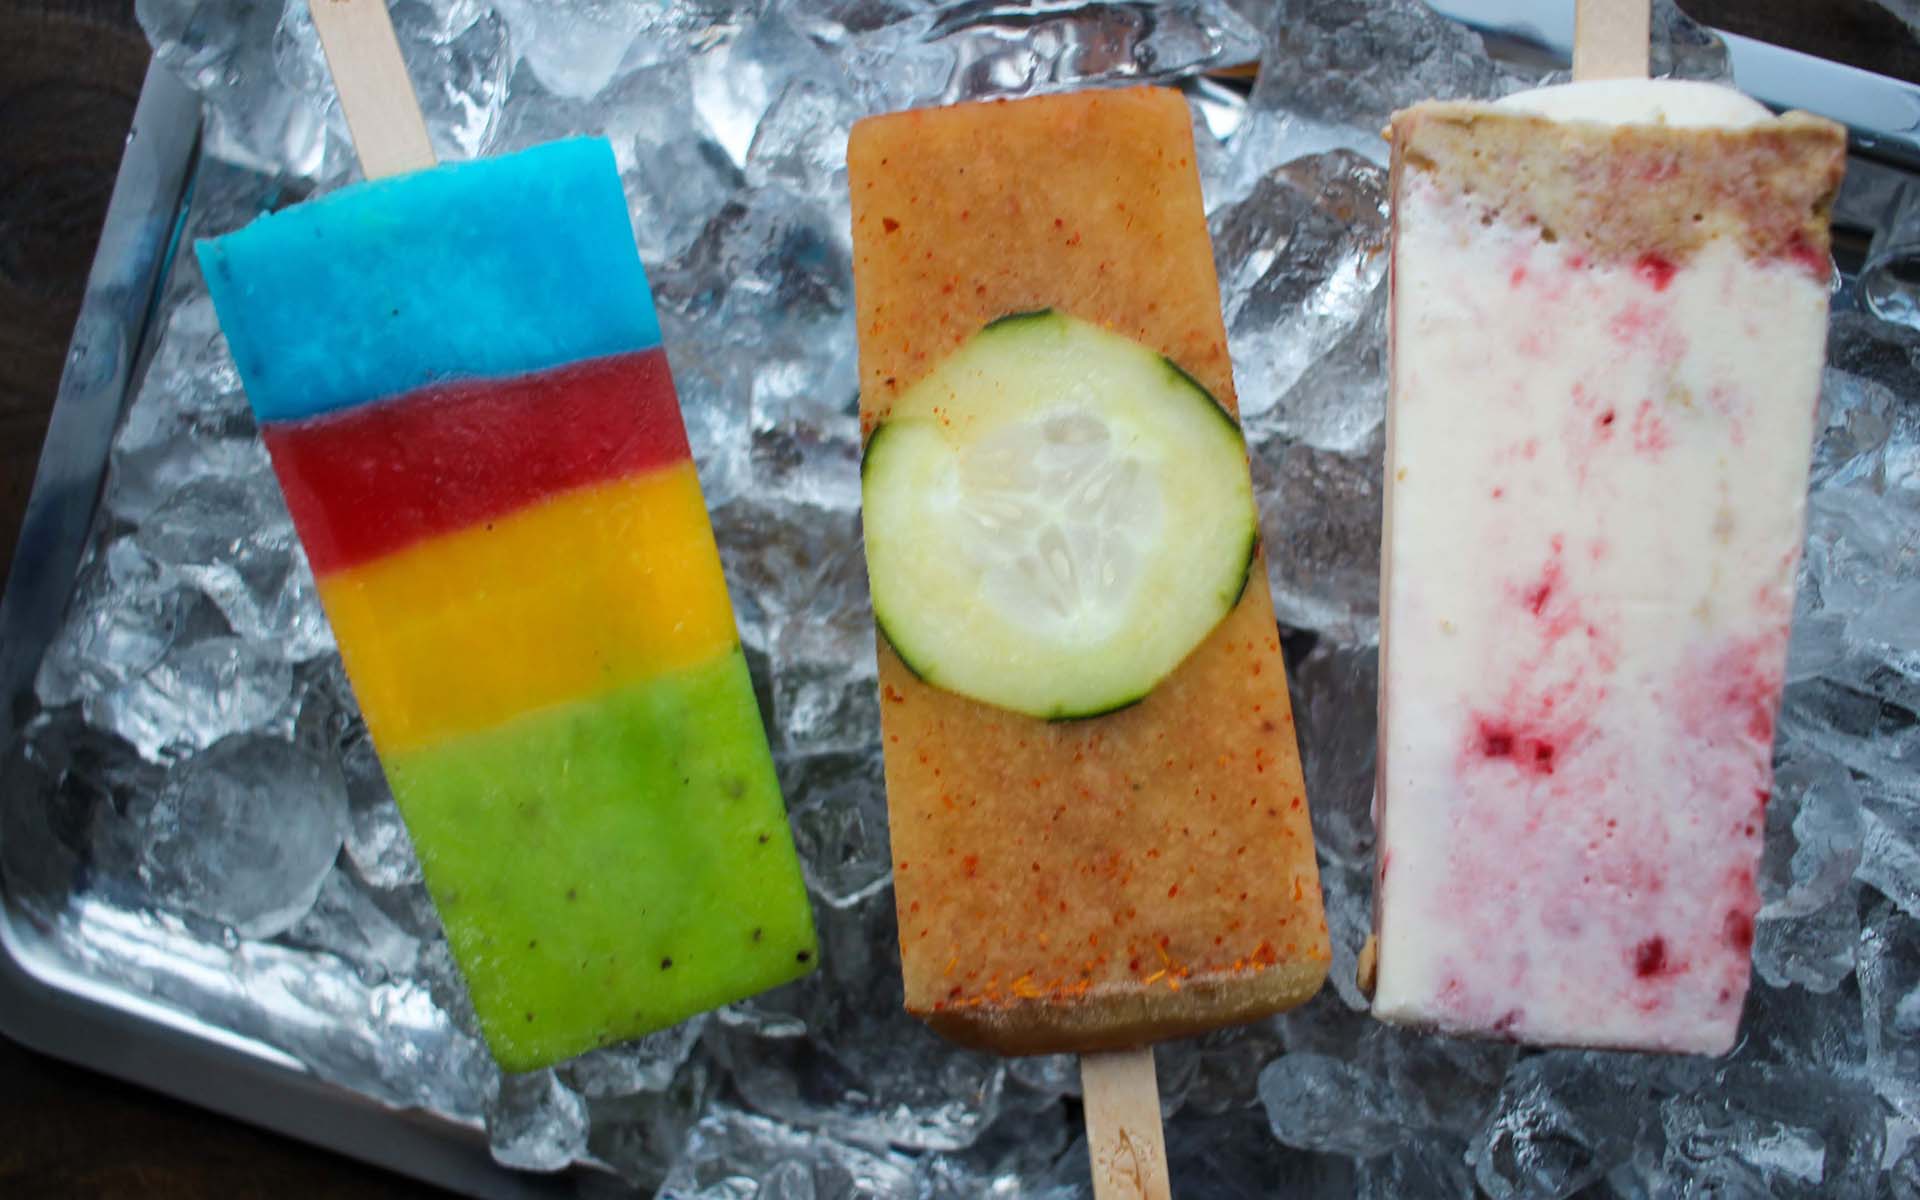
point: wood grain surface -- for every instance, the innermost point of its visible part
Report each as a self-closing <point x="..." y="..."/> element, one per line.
<point x="69" y="73"/>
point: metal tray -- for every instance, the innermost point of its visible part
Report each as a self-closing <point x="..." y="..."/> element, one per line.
<point x="55" y="1009"/>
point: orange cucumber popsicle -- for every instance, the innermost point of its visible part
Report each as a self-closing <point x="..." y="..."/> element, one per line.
<point x="1100" y="833"/>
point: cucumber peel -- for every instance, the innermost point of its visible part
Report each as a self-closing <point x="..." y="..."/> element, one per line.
<point x="1055" y="518"/>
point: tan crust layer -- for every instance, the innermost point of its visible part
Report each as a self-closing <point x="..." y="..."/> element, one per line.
<point x="1142" y="875"/>
<point x="1627" y="191"/>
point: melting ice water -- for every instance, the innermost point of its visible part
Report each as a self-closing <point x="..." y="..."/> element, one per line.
<point x="138" y="824"/>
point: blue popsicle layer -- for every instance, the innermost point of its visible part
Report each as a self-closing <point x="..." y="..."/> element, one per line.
<point x="398" y="283"/>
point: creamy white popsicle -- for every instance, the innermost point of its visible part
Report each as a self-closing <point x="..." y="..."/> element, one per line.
<point x="1608" y="318"/>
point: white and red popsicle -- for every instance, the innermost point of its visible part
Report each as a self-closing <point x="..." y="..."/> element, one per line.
<point x="1608" y="318"/>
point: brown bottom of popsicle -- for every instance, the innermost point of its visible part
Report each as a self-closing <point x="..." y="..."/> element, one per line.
<point x="1092" y="885"/>
<point x="1128" y="1019"/>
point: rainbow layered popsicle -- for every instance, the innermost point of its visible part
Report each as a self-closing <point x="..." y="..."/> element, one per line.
<point x="1608" y="316"/>
<point x="460" y="379"/>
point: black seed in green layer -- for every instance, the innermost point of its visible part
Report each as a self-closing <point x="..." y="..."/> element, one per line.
<point x="1016" y="318"/>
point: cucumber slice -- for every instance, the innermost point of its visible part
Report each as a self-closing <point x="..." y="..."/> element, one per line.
<point x="1055" y="518"/>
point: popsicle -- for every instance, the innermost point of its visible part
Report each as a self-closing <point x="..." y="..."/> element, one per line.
<point x="1099" y="830"/>
<point x="459" y="376"/>
<point x="1608" y="319"/>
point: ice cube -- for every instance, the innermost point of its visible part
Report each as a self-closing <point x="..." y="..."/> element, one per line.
<point x="194" y="696"/>
<point x="1347" y="893"/>
<point x="774" y="556"/>
<point x="1439" y="1084"/>
<point x="838" y="805"/>
<point x="231" y="538"/>
<point x="1890" y="851"/>
<point x="1007" y="1160"/>
<point x="1903" y="1178"/>
<point x="824" y="671"/>
<point x="675" y="175"/>
<point x="537" y="1123"/>
<point x="1428" y="1167"/>
<point x="1320" y="523"/>
<point x="125" y="615"/>
<point x="345" y="921"/>
<point x="377" y="842"/>
<point x="60" y="783"/>
<point x="1215" y="1073"/>
<point x="801" y="142"/>
<point x="1796" y="1027"/>
<point x="736" y="81"/>
<point x="836" y="1051"/>
<point x="1770" y="1132"/>
<point x="1305" y="251"/>
<point x="1890" y="1005"/>
<point x="575" y="49"/>
<point x="646" y="1064"/>
<point x="225" y="51"/>
<point x="1809" y="920"/>
<point x="458" y="60"/>
<point x="1336" y="691"/>
<point x="1354" y="62"/>
<point x="245" y="833"/>
<point x="1321" y="1103"/>
<point x="731" y="1151"/>
<point x="1047" y="1075"/>
<point x="1562" y="1121"/>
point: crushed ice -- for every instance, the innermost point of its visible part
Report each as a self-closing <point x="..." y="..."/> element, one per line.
<point x="194" y="811"/>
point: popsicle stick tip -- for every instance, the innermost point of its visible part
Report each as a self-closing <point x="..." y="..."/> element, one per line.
<point x="1367" y="971"/>
<point x="1124" y="1135"/>
<point x="389" y="134"/>
<point x="1610" y="38"/>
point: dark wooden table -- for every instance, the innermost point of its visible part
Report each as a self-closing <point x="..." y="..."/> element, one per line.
<point x="69" y="73"/>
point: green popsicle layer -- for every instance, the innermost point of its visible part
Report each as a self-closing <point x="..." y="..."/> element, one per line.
<point x="608" y="868"/>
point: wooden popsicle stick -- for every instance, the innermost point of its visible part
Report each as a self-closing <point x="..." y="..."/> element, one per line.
<point x="1610" y="38"/>
<point x="1124" y="1136"/>
<point x="389" y="134"/>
